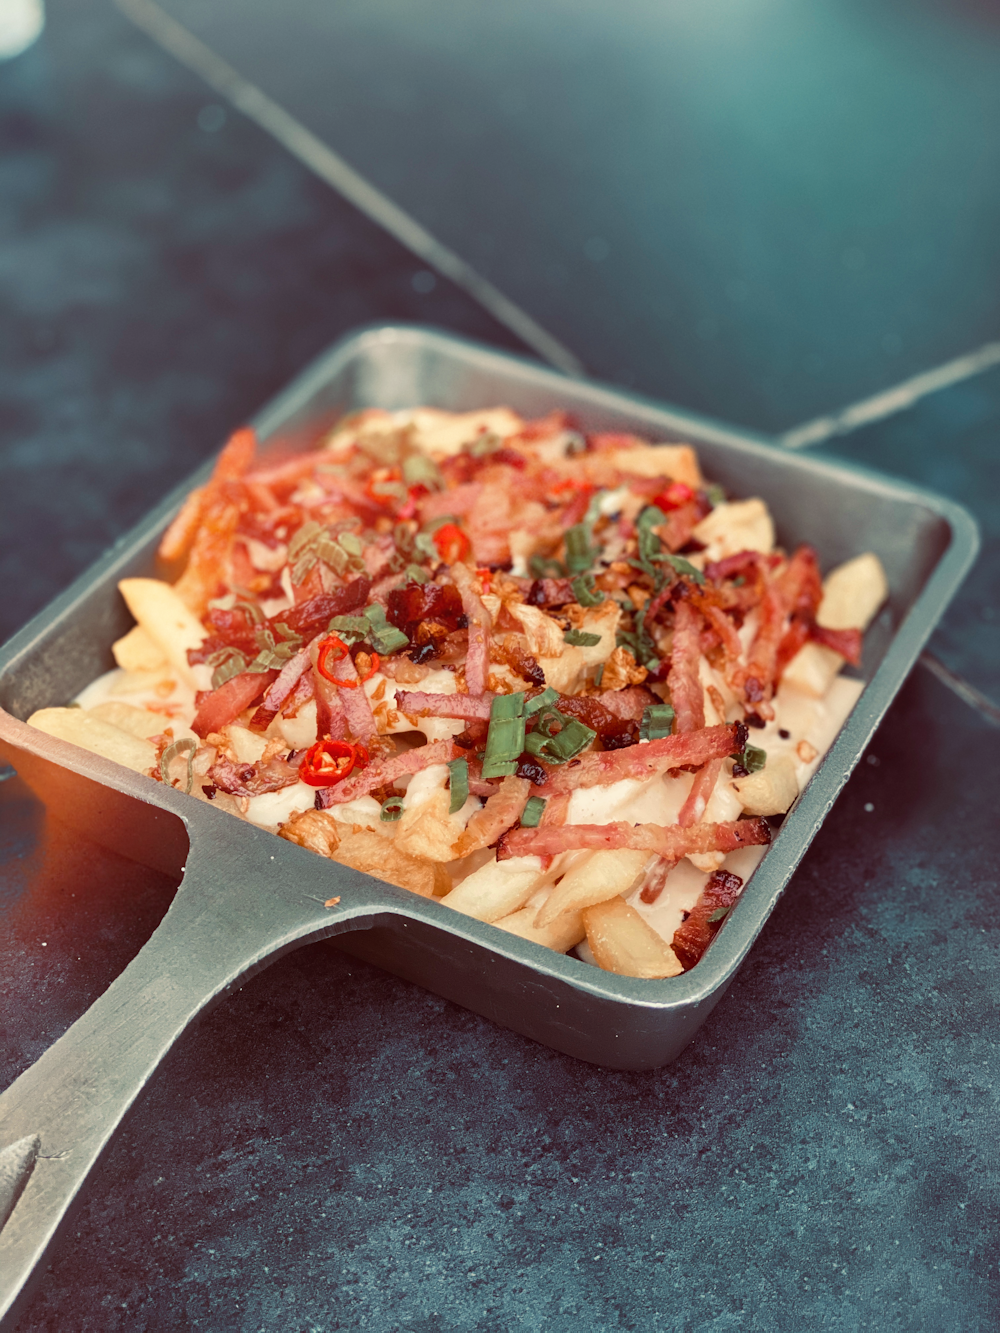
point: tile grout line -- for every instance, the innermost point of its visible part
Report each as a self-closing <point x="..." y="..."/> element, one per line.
<point x="979" y="702"/>
<point x="313" y="153"/>
<point x="892" y="400"/>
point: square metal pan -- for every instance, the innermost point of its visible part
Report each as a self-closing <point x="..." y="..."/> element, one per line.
<point x="925" y="542"/>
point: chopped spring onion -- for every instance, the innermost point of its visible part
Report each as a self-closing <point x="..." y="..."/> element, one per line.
<point x="419" y="470"/>
<point x="580" y="555"/>
<point x="352" y="629"/>
<point x="685" y="567"/>
<point x="505" y="739"/>
<point x="541" y="568"/>
<point x="719" y="914"/>
<point x="385" y="638"/>
<point x="656" y="722"/>
<point x="228" y="662"/>
<point x="459" y="770"/>
<point x="185" y="746"/>
<point x="533" y="811"/>
<point x="416" y="575"/>
<point x="557" y="746"/>
<point x="716" y="495"/>
<point x="754" y="759"/>
<point x="392" y="809"/>
<point x="581" y="638"/>
<point x="548" y="696"/>
<point x="585" y="592"/>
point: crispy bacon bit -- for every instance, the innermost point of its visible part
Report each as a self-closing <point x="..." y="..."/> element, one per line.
<point x="477" y="661"/>
<point x="644" y="761"/>
<point x="683" y="680"/>
<point x="384" y="772"/>
<point x="415" y="603"/>
<point x="847" y="642"/>
<point x="469" y="707"/>
<point x="224" y="705"/>
<point x="613" y="732"/>
<point x="629" y="704"/>
<point x="693" y="809"/>
<point x="656" y="879"/>
<point x="252" y="779"/>
<point x="732" y="565"/>
<point x="501" y="812"/>
<point x="755" y="680"/>
<point x="695" y="935"/>
<point x="354" y="701"/>
<point x="550" y="592"/>
<point x="278" y="693"/>
<point x="671" y="841"/>
<point x="308" y="618"/>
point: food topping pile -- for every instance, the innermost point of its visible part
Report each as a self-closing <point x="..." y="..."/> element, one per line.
<point x="555" y="680"/>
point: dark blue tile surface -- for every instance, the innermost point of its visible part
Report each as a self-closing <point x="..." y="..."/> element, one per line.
<point x="760" y="211"/>
<point x="164" y="269"/>
<point x="950" y="442"/>
<point x="333" y="1148"/>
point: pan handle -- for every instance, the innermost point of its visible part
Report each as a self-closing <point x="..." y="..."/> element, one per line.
<point x="59" y="1115"/>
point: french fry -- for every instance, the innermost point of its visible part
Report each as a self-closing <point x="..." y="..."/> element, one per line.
<point x="247" y="745"/>
<point x="594" y="879"/>
<point x="497" y="889"/>
<point x="623" y="942"/>
<point x="137" y="721"/>
<point x="561" y="935"/>
<point x="742" y="525"/>
<point x="167" y="621"/>
<point x="852" y="593"/>
<point x="81" y="727"/>
<point x="812" y="670"/>
<point x="771" y="791"/>
<point x="677" y="461"/>
<point x="314" y="830"/>
<point x="374" y="854"/>
<point x="138" y="651"/>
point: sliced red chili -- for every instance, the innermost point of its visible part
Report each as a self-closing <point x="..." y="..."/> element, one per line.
<point x="333" y="649"/>
<point x="328" y="762"/>
<point x="452" y="543"/>
<point x="676" y="494"/>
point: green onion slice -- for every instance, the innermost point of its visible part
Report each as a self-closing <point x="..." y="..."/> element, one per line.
<point x="581" y="638"/>
<point x="533" y="811"/>
<point x="541" y="568"/>
<point x="505" y="739"/>
<point x="579" y="553"/>
<point x="385" y="638"/>
<point x="186" y="745"/>
<point x="753" y="759"/>
<point x="585" y="592"/>
<point x="656" y="722"/>
<point x="686" y="568"/>
<point x="547" y="697"/>
<point x="719" y="914"/>
<point x="392" y="809"/>
<point x="558" y="747"/>
<point x="459" y="770"/>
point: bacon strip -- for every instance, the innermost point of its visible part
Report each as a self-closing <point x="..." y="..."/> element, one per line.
<point x="288" y="678"/>
<point x="477" y="661"/>
<point x="385" y="772"/>
<point x="644" y="761"/>
<point x="226" y="703"/>
<point x="701" y="790"/>
<point x="683" y="680"/>
<point x="470" y="707"/>
<point x="503" y="809"/>
<point x="314" y="614"/>
<point x="628" y="704"/>
<point x="656" y="879"/>
<point x="355" y="703"/>
<point x="847" y="642"/>
<point x="670" y="841"/>
<point x="755" y="680"/>
<point x="252" y="779"/>
<point x="695" y="935"/>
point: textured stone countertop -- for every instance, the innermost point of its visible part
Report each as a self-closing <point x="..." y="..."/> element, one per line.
<point x="333" y="1148"/>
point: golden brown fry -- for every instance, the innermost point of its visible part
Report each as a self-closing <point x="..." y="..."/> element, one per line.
<point x="80" y="727"/>
<point x="593" y="879"/>
<point x="623" y="942"/>
<point x="563" y="933"/>
<point x="313" y="829"/>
